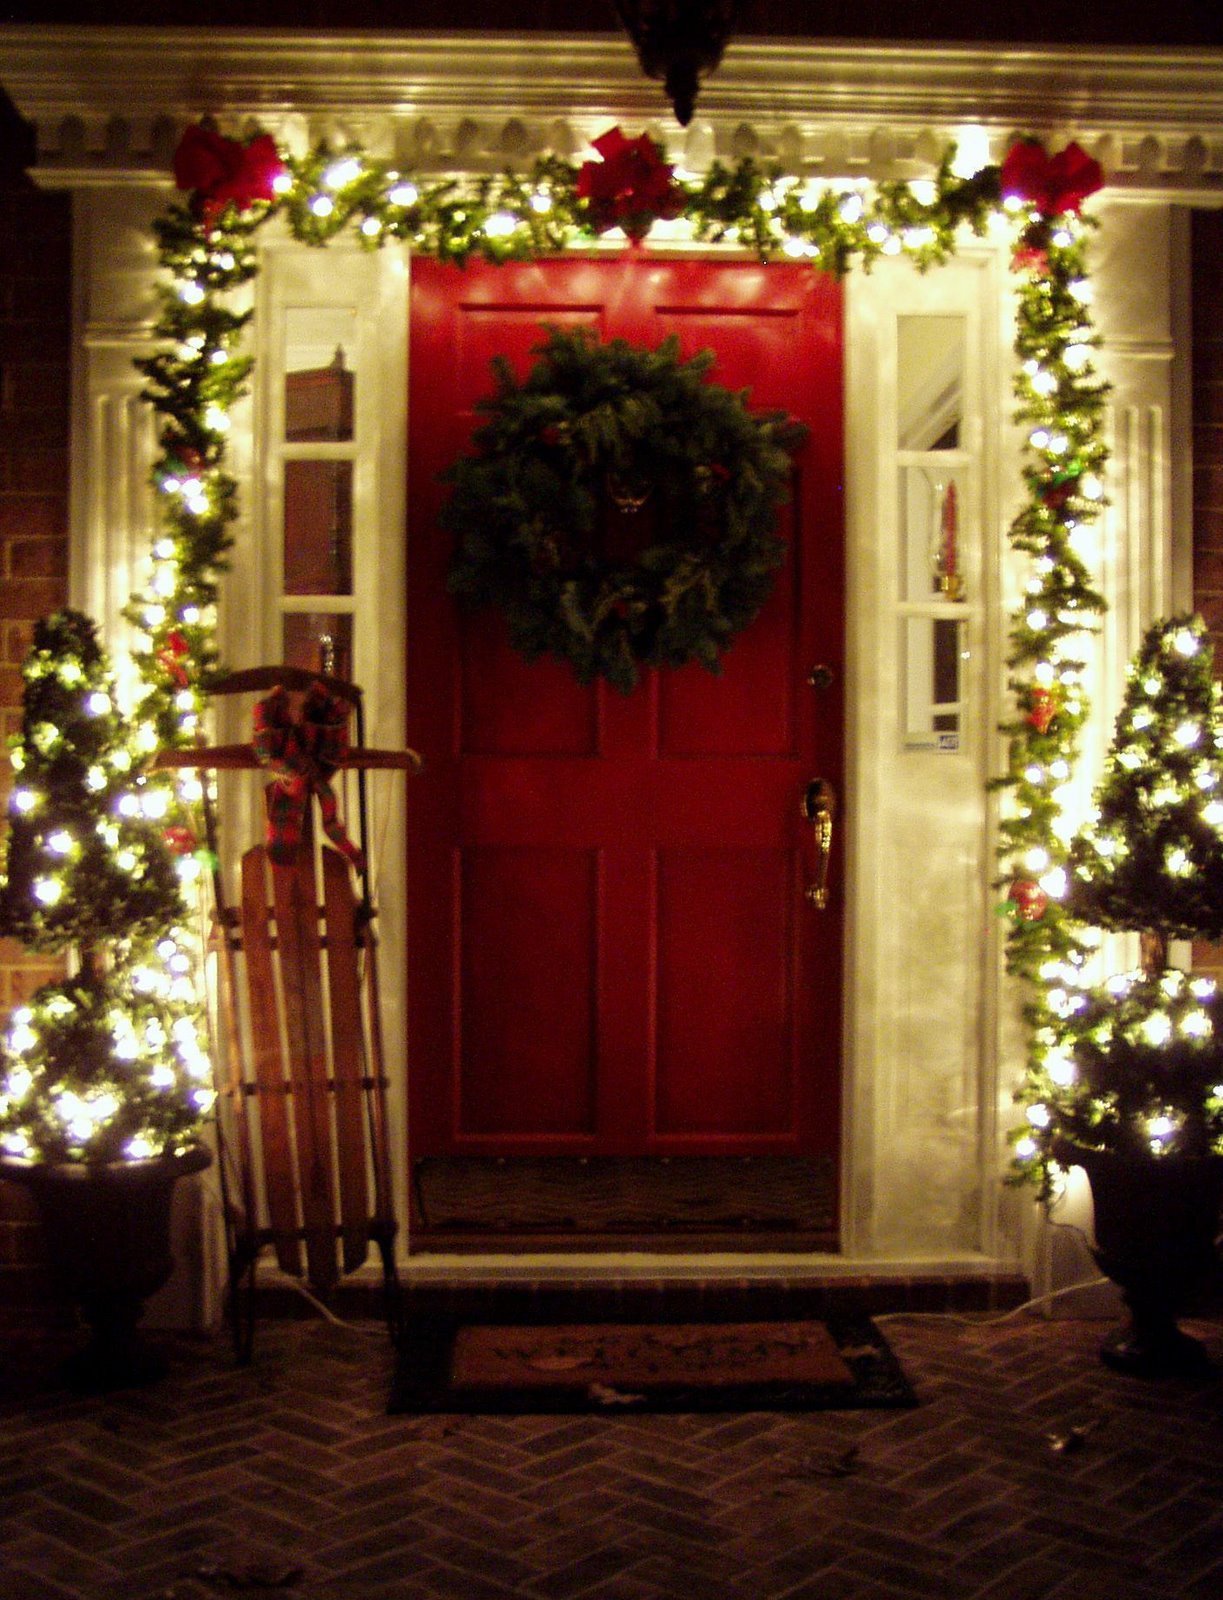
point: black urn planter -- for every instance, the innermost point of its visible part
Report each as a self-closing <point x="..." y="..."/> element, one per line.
<point x="106" y="1230"/>
<point x="1156" y="1225"/>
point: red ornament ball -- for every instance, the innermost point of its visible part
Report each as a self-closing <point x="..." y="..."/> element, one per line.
<point x="1028" y="899"/>
<point x="1042" y="708"/>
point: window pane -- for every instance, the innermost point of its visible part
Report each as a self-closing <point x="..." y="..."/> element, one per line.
<point x="318" y="527"/>
<point x="929" y="382"/>
<point x="933" y="661"/>
<point x="320" y="642"/>
<point x="319" y="377"/>
<point x="931" y="536"/>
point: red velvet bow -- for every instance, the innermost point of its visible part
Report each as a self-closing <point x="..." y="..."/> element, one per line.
<point x="221" y="171"/>
<point x="630" y="187"/>
<point x="1053" y="184"/>
<point x="305" y="751"/>
<point x="172" y="658"/>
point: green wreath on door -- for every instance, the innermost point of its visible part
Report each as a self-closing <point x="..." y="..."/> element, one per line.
<point x="599" y="431"/>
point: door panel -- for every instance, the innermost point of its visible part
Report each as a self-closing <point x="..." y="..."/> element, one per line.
<point x="724" y="1066"/>
<point x="610" y="956"/>
<point x="539" y="1030"/>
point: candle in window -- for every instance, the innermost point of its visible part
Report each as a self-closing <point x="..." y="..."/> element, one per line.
<point x="947" y="576"/>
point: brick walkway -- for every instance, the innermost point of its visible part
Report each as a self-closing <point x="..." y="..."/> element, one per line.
<point x="287" y="1479"/>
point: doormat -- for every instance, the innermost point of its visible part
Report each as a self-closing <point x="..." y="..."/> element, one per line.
<point x="477" y="1368"/>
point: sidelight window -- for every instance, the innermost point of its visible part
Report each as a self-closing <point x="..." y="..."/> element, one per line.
<point x="318" y="445"/>
<point x="937" y="524"/>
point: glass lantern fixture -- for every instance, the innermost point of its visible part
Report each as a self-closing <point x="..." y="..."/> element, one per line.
<point x="679" y="41"/>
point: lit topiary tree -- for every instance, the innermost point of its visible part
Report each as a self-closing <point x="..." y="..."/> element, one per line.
<point x="107" y="1064"/>
<point x="1127" y="1076"/>
<point x="1135" y="1063"/>
<point x="1151" y="859"/>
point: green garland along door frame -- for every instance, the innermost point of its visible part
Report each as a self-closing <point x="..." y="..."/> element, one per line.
<point x="209" y="250"/>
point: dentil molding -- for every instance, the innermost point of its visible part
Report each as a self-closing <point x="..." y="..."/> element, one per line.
<point x="111" y="101"/>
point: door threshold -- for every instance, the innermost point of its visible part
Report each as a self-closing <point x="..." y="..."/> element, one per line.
<point x="429" y="1265"/>
<point x="656" y="1244"/>
<point x="640" y="1286"/>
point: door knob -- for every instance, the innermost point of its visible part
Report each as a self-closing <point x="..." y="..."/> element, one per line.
<point x="819" y="802"/>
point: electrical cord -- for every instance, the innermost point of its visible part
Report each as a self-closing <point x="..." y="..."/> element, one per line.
<point x="1006" y="1316"/>
<point x="328" y="1314"/>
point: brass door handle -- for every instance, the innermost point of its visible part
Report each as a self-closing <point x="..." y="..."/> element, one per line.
<point x="819" y="802"/>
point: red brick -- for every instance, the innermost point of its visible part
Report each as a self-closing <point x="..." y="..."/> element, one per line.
<point x="24" y="981"/>
<point x="40" y="298"/>
<point x="1208" y="528"/>
<point x="1208" y="485"/>
<point x="1206" y="271"/>
<point x="1208" y="394"/>
<point x="16" y="638"/>
<point x="31" y="597"/>
<point x="43" y="427"/>
<point x="1207" y="571"/>
<point x="33" y="340"/>
<point x="1208" y="444"/>
<point x="11" y="953"/>
<point x="34" y="385"/>
<point x="28" y="214"/>
<point x="42" y="516"/>
<point x="37" y="558"/>
<point x="35" y="471"/>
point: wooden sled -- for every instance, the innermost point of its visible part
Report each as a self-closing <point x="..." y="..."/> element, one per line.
<point x="305" y="1159"/>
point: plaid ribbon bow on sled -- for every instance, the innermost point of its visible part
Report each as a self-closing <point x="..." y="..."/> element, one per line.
<point x="304" y="750"/>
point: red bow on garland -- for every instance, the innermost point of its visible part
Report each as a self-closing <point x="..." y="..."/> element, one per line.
<point x="305" y="750"/>
<point x="631" y="187"/>
<point x="1053" y="184"/>
<point x="172" y="658"/>
<point x="219" y="170"/>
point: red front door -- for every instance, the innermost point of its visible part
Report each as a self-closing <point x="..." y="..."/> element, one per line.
<point x="609" y="949"/>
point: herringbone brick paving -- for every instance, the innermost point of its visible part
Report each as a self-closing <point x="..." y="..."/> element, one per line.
<point x="1027" y="1472"/>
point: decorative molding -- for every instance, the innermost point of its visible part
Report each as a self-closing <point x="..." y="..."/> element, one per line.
<point x="113" y="100"/>
<point x="138" y="338"/>
<point x="1140" y="349"/>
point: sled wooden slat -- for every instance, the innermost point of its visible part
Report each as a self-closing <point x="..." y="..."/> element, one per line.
<point x="344" y="997"/>
<point x="268" y="1064"/>
<point x="305" y="1157"/>
<point x="297" y="938"/>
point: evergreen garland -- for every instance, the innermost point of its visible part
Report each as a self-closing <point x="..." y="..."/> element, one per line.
<point x="206" y="248"/>
<point x="592" y="421"/>
<point x="1061" y="405"/>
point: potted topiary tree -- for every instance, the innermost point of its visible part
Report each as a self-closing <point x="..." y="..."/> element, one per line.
<point x="1129" y="1084"/>
<point x="104" y="1078"/>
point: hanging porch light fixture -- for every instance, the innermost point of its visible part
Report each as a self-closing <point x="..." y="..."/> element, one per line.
<point x="679" y="41"/>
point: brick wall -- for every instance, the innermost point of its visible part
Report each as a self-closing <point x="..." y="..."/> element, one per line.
<point x="35" y="260"/>
<point x="1207" y="294"/>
